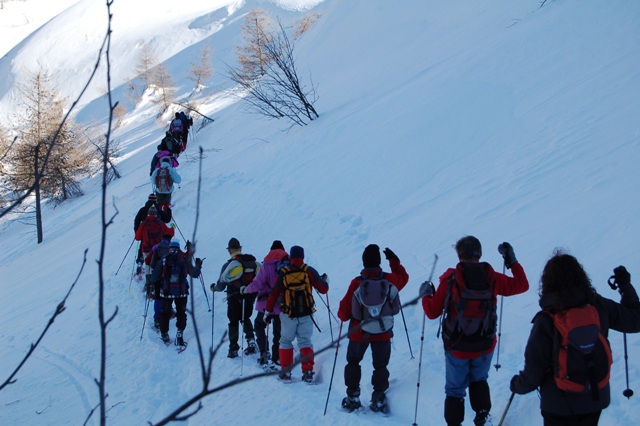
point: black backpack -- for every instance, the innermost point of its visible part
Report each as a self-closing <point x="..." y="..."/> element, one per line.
<point x="174" y="275"/>
<point x="249" y="270"/>
<point x="469" y="321"/>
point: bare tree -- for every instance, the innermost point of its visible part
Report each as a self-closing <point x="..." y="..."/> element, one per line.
<point x="303" y="25"/>
<point x="256" y="31"/>
<point x="163" y="82"/>
<point x="278" y="93"/>
<point x="146" y="66"/>
<point x="202" y="69"/>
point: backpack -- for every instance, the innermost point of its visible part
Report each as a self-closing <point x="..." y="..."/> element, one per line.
<point x="581" y="354"/>
<point x="297" y="300"/>
<point x="374" y="303"/>
<point x="249" y="270"/>
<point x="176" y="125"/>
<point x="174" y="276"/>
<point x="164" y="181"/>
<point x="469" y="320"/>
<point x="153" y="229"/>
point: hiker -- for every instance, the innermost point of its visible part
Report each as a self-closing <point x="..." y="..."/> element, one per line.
<point x="238" y="271"/>
<point x="262" y="285"/>
<point x="164" y="215"/>
<point x="172" y="272"/>
<point x="565" y="286"/>
<point x="170" y="143"/>
<point x="150" y="233"/>
<point x="157" y="157"/>
<point x="379" y="340"/>
<point x="163" y="179"/>
<point x="158" y="251"/>
<point x="297" y="308"/>
<point x="187" y="122"/>
<point x="468" y="294"/>
<point x="176" y="127"/>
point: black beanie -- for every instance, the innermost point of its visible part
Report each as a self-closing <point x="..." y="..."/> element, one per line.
<point x="371" y="256"/>
<point x="277" y="244"/>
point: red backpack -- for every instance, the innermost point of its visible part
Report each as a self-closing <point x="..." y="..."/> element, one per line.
<point x="153" y="231"/>
<point x="164" y="181"/>
<point x="581" y="354"/>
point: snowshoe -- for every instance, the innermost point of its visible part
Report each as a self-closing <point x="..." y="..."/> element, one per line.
<point x="252" y="348"/>
<point x="285" y="377"/>
<point x="233" y="353"/>
<point x="179" y="339"/>
<point x="378" y="403"/>
<point x="307" y="376"/>
<point x="166" y="339"/>
<point x="351" y="404"/>
<point x="483" y="418"/>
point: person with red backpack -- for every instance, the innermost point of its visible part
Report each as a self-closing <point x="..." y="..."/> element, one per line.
<point x="171" y="272"/>
<point x="372" y="281"/>
<point x="238" y="271"/>
<point x="294" y="292"/>
<point x="574" y="383"/>
<point x="163" y="179"/>
<point x="164" y="215"/>
<point x="261" y="285"/>
<point x="466" y="299"/>
<point x="150" y="233"/>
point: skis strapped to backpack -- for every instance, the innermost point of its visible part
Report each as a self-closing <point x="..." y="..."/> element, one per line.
<point x="581" y="354"/>
<point x="374" y="304"/>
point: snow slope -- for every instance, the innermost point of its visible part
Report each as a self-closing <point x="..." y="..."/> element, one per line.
<point x="504" y="120"/>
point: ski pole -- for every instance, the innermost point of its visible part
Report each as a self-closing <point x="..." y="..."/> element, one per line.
<point x="415" y="416"/>
<point x="497" y="364"/>
<point x="328" y="313"/>
<point x="504" y="414"/>
<point x="406" y="331"/>
<point x="125" y="255"/>
<point x="627" y="392"/>
<point x="146" y="309"/>
<point x="213" y="308"/>
<point x="133" y="267"/>
<point x="241" y="337"/>
<point x="173" y="218"/>
<point x="333" y="370"/>
<point x="204" y="290"/>
<point x="328" y="308"/>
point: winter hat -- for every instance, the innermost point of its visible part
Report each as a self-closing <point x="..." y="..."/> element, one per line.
<point x="152" y="197"/>
<point x="296" y="252"/>
<point x="234" y="244"/>
<point x="174" y="244"/>
<point x="152" y="211"/>
<point x="371" y="256"/>
<point x="469" y="248"/>
<point x="277" y="244"/>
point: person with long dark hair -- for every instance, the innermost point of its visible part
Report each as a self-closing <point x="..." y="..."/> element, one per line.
<point x="565" y="286"/>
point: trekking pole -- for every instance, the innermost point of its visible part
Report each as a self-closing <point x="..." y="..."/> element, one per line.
<point x="627" y="392"/>
<point x="213" y="307"/>
<point x="125" y="255"/>
<point x="241" y="337"/>
<point x="204" y="290"/>
<point x="415" y="416"/>
<point x="333" y="370"/>
<point x="406" y="331"/>
<point x="497" y="364"/>
<point x="146" y="309"/>
<point x="328" y="313"/>
<point x="328" y="307"/>
<point x="504" y="414"/>
<point x="133" y="267"/>
<point x="173" y="218"/>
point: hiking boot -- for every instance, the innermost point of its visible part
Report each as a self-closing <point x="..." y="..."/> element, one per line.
<point x="233" y="353"/>
<point x="179" y="339"/>
<point x="378" y="402"/>
<point x="483" y="418"/>
<point x="156" y="327"/>
<point x="307" y="376"/>
<point x="351" y="403"/>
<point x="284" y="377"/>
<point x="166" y="339"/>
<point x="252" y="348"/>
<point x="264" y="358"/>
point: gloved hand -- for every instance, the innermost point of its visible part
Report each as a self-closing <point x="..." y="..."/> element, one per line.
<point x="268" y="316"/>
<point x="187" y="246"/>
<point x="507" y="253"/>
<point x="389" y="254"/>
<point x="213" y="287"/>
<point x="512" y="384"/>
<point x="621" y="276"/>
<point x="243" y="289"/>
<point x="427" y="289"/>
<point x="325" y="278"/>
<point x="199" y="262"/>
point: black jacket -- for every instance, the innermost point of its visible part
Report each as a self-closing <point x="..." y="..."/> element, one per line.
<point x="537" y="373"/>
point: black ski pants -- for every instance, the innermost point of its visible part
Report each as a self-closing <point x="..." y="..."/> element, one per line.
<point x="261" y="337"/>
<point x="380" y="354"/>
<point x="181" y="313"/>
<point x="236" y="314"/>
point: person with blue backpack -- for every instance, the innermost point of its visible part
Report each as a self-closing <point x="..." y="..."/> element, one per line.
<point x="368" y="331"/>
<point x="171" y="272"/>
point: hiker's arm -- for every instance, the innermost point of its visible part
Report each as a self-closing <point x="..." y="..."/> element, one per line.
<point x="399" y="276"/>
<point x="317" y="282"/>
<point x="274" y="294"/>
<point x="507" y="286"/>
<point x="344" y="309"/>
<point x="537" y="357"/>
<point x="433" y="305"/>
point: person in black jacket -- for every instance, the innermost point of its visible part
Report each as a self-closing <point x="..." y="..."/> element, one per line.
<point x="565" y="285"/>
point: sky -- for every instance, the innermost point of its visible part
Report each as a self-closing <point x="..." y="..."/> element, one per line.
<point x="509" y="121"/>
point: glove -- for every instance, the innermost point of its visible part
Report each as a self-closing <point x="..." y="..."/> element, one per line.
<point x="243" y="289"/>
<point x="508" y="255"/>
<point x="512" y="384"/>
<point x="325" y="278"/>
<point x="389" y="254"/>
<point x="621" y="276"/>
<point x="199" y="262"/>
<point x="187" y="246"/>
<point x="213" y="287"/>
<point x="427" y="289"/>
<point x="268" y="316"/>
